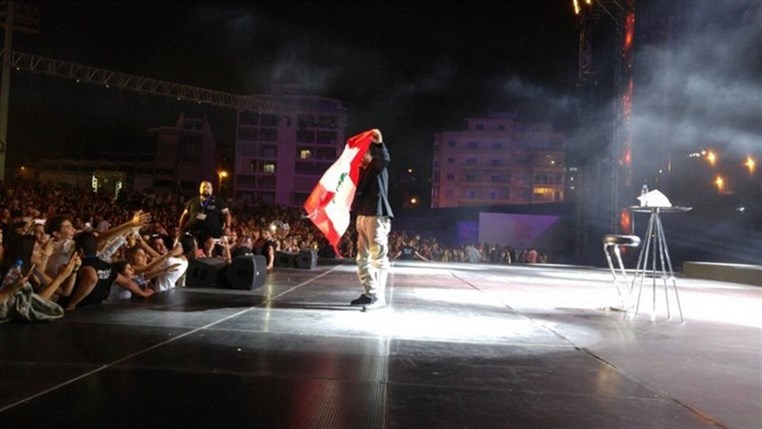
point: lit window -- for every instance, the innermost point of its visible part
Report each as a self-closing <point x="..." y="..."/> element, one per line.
<point x="305" y="154"/>
<point x="269" y="167"/>
<point x="545" y="194"/>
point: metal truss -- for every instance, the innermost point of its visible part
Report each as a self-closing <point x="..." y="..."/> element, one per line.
<point x="108" y="78"/>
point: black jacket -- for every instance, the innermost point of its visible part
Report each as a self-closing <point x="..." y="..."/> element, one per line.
<point x="372" y="197"/>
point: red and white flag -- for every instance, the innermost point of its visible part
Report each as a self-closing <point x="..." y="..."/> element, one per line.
<point x="329" y="204"/>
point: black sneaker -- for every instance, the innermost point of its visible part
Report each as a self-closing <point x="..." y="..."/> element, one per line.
<point x="377" y="303"/>
<point x="364" y="300"/>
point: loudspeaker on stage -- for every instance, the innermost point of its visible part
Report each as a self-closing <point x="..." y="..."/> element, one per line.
<point x="246" y="272"/>
<point x="306" y="259"/>
<point x="205" y="272"/>
<point x="285" y="259"/>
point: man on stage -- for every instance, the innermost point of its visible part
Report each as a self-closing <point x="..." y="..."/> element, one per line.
<point x="374" y="221"/>
<point x="205" y="215"/>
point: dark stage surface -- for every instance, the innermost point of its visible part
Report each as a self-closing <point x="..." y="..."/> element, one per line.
<point x="460" y="345"/>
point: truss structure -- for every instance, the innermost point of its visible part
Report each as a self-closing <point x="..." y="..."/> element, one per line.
<point x="108" y="78"/>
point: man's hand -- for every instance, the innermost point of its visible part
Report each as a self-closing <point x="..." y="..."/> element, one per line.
<point x="366" y="159"/>
<point x="376" y="136"/>
<point x="72" y="265"/>
<point x="47" y="247"/>
<point x="140" y="219"/>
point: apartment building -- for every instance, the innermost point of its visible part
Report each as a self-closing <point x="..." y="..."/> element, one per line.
<point x="498" y="160"/>
<point x="279" y="158"/>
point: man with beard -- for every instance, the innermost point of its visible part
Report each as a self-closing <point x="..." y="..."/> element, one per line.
<point x="205" y="215"/>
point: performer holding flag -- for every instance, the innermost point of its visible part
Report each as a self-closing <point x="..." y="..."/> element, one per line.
<point x="361" y="169"/>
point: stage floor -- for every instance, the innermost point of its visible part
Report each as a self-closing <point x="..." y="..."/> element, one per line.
<point x="460" y="345"/>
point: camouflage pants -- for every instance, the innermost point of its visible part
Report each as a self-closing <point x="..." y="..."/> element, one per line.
<point x="373" y="253"/>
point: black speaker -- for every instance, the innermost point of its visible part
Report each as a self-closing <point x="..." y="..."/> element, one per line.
<point x="246" y="272"/>
<point x="284" y="259"/>
<point x="205" y="272"/>
<point x="306" y="259"/>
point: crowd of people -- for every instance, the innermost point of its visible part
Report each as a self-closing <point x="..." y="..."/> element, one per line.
<point x="429" y="249"/>
<point x="64" y="248"/>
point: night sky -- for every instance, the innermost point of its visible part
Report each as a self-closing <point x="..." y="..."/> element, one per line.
<point x="409" y="68"/>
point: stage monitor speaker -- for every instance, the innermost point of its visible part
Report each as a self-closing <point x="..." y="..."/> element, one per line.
<point x="205" y="272"/>
<point x="306" y="259"/>
<point x="285" y="259"/>
<point x="247" y="272"/>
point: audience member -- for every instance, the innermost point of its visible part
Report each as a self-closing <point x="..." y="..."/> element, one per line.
<point x="409" y="252"/>
<point x="174" y="268"/>
<point x="96" y="276"/>
<point x="265" y="246"/>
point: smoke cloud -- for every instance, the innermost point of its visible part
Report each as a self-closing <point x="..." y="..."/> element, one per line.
<point x="698" y="81"/>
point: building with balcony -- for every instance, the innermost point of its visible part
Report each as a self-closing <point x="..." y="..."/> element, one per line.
<point x="498" y="160"/>
<point x="280" y="158"/>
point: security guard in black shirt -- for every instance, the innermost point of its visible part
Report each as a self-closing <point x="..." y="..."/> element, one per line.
<point x="205" y="215"/>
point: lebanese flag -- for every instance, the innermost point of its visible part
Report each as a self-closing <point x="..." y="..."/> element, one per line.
<point x="329" y="204"/>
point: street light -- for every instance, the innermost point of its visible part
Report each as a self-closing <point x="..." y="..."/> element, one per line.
<point x="750" y="164"/>
<point x="221" y="174"/>
<point x="711" y="157"/>
<point x="720" y="183"/>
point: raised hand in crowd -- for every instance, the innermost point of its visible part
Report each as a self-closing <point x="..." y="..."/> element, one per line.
<point x="63" y="284"/>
